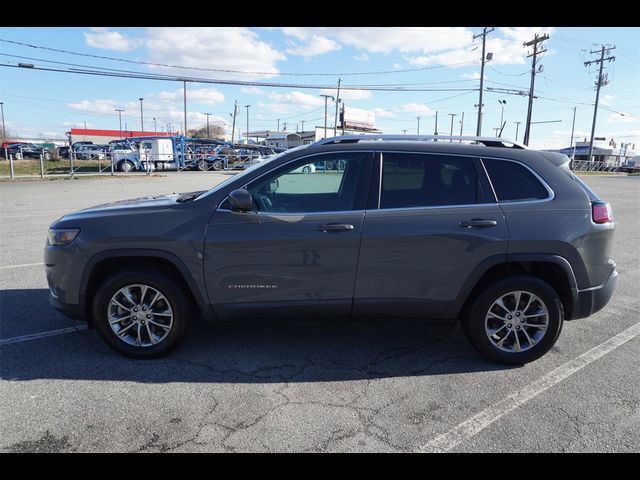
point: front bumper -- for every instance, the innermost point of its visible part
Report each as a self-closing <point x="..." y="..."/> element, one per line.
<point x="592" y="300"/>
<point x="74" y="311"/>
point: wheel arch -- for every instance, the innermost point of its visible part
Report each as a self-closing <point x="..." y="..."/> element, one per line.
<point x="553" y="269"/>
<point x="103" y="264"/>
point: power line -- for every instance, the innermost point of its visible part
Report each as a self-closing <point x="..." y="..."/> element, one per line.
<point x="171" y="78"/>
<point x="222" y="70"/>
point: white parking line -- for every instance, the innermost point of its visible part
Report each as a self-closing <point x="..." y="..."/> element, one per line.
<point x="22" y="265"/>
<point x="35" y="336"/>
<point x="474" y="425"/>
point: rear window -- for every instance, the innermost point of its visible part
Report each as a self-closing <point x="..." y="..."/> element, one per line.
<point x="514" y="182"/>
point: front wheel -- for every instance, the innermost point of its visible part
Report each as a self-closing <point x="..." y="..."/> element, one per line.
<point x="515" y="321"/>
<point x="141" y="313"/>
<point x="306" y="169"/>
<point x="125" y="166"/>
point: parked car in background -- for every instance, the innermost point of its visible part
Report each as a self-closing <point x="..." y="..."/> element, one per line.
<point x="90" y="152"/>
<point x="631" y="166"/>
<point x="26" y="150"/>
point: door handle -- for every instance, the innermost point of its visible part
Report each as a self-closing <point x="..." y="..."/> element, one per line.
<point x="478" y="222"/>
<point x="334" y="227"/>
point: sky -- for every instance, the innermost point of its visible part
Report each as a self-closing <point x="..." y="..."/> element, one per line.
<point x="444" y="62"/>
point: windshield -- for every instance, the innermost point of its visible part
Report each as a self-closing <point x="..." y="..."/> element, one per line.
<point x="249" y="170"/>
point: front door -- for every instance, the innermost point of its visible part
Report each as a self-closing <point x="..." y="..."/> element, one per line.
<point x="294" y="255"/>
<point x="433" y="226"/>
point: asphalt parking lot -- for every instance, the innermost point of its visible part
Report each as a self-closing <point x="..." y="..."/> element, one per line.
<point x="302" y="386"/>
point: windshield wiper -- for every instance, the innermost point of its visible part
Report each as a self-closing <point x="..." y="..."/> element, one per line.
<point x="187" y="197"/>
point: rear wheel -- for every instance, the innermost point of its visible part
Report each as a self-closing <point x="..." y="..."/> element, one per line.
<point x="47" y="156"/>
<point x="306" y="169"/>
<point x="515" y="321"/>
<point x="142" y="314"/>
<point x="203" y="165"/>
<point x="217" y="165"/>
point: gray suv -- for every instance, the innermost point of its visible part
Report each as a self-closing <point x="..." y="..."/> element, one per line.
<point x="504" y="238"/>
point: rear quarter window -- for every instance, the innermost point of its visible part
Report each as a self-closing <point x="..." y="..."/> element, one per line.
<point x="513" y="182"/>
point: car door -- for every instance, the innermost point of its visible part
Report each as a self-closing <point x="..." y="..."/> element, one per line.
<point x="436" y="221"/>
<point x="295" y="254"/>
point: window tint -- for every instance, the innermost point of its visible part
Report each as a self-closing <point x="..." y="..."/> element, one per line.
<point x="513" y="182"/>
<point x="302" y="187"/>
<point x="416" y="180"/>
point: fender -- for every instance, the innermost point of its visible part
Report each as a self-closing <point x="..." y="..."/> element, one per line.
<point x="454" y="309"/>
<point x="198" y="293"/>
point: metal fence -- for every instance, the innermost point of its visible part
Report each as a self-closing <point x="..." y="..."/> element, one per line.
<point x="587" y="166"/>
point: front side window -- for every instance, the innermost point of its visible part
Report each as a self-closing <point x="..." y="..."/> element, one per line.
<point x="421" y="180"/>
<point x="300" y="187"/>
<point x="513" y="182"/>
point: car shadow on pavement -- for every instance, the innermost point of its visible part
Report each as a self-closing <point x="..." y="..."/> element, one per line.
<point x="241" y="352"/>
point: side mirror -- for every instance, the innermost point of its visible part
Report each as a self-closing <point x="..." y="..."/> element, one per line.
<point x="240" y="200"/>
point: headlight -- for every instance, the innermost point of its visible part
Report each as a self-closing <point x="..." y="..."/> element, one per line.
<point x="62" y="236"/>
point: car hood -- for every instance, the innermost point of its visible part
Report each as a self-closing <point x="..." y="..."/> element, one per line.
<point x="132" y="206"/>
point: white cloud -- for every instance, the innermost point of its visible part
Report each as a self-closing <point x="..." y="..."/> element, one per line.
<point x="472" y="76"/>
<point x="419" y="108"/>
<point x="362" y="57"/>
<point x="351" y="95"/>
<point x="103" y="38"/>
<point x="397" y="66"/>
<point x="252" y="90"/>
<point x="607" y="99"/>
<point x="78" y="124"/>
<point x="381" y="113"/>
<point x="295" y="98"/>
<point x="316" y="45"/>
<point x="231" y="48"/>
<point x="205" y="96"/>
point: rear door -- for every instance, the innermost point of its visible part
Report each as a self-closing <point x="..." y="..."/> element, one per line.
<point x="435" y="221"/>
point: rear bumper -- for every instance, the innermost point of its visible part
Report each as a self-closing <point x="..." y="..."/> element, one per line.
<point x="592" y="300"/>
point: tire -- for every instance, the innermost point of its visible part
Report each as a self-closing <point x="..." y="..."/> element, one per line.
<point x="136" y="336"/>
<point x="306" y="169"/>
<point x="18" y="156"/>
<point x="47" y="156"/>
<point x="533" y="340"/>
<point x="125" y="166"/>
<point x="217" y="165"/>
<point x="202" y="165"/>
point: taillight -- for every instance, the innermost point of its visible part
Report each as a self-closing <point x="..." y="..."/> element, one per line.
<point x="601" y="212"/>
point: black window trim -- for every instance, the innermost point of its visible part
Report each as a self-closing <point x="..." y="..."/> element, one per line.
<point x="473" y="159"/>
<point x="550" y="192"/>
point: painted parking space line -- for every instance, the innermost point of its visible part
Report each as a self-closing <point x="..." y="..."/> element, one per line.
<point x="474" y="425"/>
<point x="21" y="265"/>
<point x="36" y="336"/>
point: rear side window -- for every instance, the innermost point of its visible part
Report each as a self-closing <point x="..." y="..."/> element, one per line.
<point x="514" y="182"/>
<point x="420" y="180"/>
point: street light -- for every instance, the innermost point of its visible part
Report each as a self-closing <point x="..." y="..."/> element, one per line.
<point x="247" y="107"/>
<point x="141" y="116"/>
<point x="325" y="112"/>
<point x="4" y="131"/>
<point x="517" y="127"/>
<point x="503" y="103"/>
<point x="120" y="110"/>
<point x="207" y="114"/>
<point x="155" y="125"/>
<point x="452" y="115"/>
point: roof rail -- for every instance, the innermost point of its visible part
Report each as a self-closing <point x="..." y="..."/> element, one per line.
<point x="487" y="141"/>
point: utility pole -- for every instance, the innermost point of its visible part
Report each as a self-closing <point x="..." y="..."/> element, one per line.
<point x="418" y="125"/>
<point x="599" y="83"/>
<point x="279" y="126"/>
<point x="534" y="56"/>
<point x="335" y="124"/>
<point x="452" y="115"/>
<point x="502" y="103"/>
<point x="4" y="130"/>
<point x="404" y="132"/>
<point x="517" y="127"/>
<point x="326" y="97"/>
<point x="235" y="112"/>
<point x="284" y="126"/>
<point x="141" y="116"/>
<point x="155" y="125"/>
<point x="247" y="107"/>
<point x="302" y="129"/>
<point x="484" y="33"/>
<point x="573" y="124"/>
<point x="120" y="110"/>
<point x="184" y="88"/>
<point x="207" y="114"/>
<point x="461" y="126"/>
